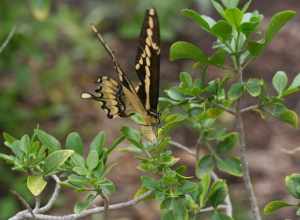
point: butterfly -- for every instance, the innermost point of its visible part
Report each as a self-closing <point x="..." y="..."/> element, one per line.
<point x="120" y="98"/>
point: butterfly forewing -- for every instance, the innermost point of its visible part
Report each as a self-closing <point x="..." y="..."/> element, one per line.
<point x="147" y="62"/>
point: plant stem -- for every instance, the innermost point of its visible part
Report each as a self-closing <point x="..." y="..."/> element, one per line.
<point x="245" y="165"/>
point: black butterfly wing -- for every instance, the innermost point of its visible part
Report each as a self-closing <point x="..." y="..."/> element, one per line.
<point x="147" y="63"/>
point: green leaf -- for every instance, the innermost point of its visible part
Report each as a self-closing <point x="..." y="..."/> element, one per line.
<point x="234" y="16"/>
<point x="220" y="216"/>
<point x="77" y="160"/>
<point x="218" y="7"/>
<point x="274" y="206"/>
<point x="56" y="159"/>
<point x="255" y="48"/>
<point x="74" y="142"/>
<point x="80" y="170"/>
<point x="186" y="50"/>
<point x="276" y="23"/>
<point x="254" y="87"/>
<point x="230" y="3"/>
<point x="280" y="81"/>
<point x="205" y="166"/>
<point x="175" y="95"/>
<point x="47" y="140"/>
<point x="7" y="158"/>
<point x="227" y="143"/>
<point x="218" y="58"/>
<point x="294" y="87"/>
<point x="186" y="79"/>
<point x="133" y="136"/>
<point x="98" y="142"/>
<point x="218" y="193"/>
<point x="205" y="184"/>
<point x="246" y="6"/>
<point x="36" y="184"/>
<point x="235" y="91"/>
<point x="196" y="17"/>
<point x="83" y="205"/>
<point x="8" y="138"/>
<point x="222" y="30"/>
<point x="92" y="160"/>
<point x="289" y="117"/>
<point x="292" y="183"/>
<point x="231" y="166"/>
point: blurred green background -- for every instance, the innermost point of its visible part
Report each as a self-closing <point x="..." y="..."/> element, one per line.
<point x="53" y="56"/>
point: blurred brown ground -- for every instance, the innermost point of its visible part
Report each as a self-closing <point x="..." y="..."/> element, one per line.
<point x="269" y="165"/>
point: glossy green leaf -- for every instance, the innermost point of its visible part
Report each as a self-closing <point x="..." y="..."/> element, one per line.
<point x="294" y="87"/>
<point x="254" y="87"/>
<point x="292" y="183"/>
<point x="8" y="138"/>
<point x="218" y="58"/>
<point x="47" y="140"/>
<point x="289" y="117"/>
<point x="227" y="143"/>
<point x="196" y="17"/>
<point x="255" y="48"/>
<point x="218" y="7"/>
<point x="222" y="30"/>
<point x="83" y="205"/>
<point x="280" y="81"/>
<point x="7" y="158"/>
<point x="186" y="50"/>
<point x="36" y="184"/>
<point x="56" y="159"/>
<point x="74" y="142"/>
<point x="235" y="91"/>
<point x="186" y="79"/>
<point x="234" y="16"/>
<point x="276" y="23"/>
<point x="133" y="136"/>
<point x="218" y="193"/>
<point x="231" y="166"/>
<point x="98" y="142"/>
<point x="205" y="184"/>
<point x="274" y="206"/>
<point x="230" y="3"/>
<point x="205" y="166"/>
<point x="246" y="6"/>
<point x="174" y="94"/>
<point x="92" y="159"/>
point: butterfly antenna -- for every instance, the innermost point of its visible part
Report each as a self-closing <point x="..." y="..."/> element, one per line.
<point x="107" y="48"/>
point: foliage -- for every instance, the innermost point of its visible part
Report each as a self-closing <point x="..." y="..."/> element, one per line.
<point x="199" y="101"/>
<point x="292" y="183"/>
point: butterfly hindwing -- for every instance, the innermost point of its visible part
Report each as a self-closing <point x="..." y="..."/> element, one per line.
<point x="109" y="94"/>
<point x="147" y="63"/>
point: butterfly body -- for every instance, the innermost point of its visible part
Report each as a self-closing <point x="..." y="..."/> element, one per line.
<point x="120" y="97"/>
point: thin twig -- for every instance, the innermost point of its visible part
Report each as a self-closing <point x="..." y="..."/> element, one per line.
<point x="249" y="108"/>
<point x="54" y="196"/>
<point x="182" y="147"/>
<point x="24" y="214"/>
<point x="106" y="204"/>
<point x="291" y="152"/>
<point x="245" y="166"/>
<point x="217" y="105"/>
<point x="7" y="40"/>
<point x="228" y="204"/>
<point x="24" y="203"/>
